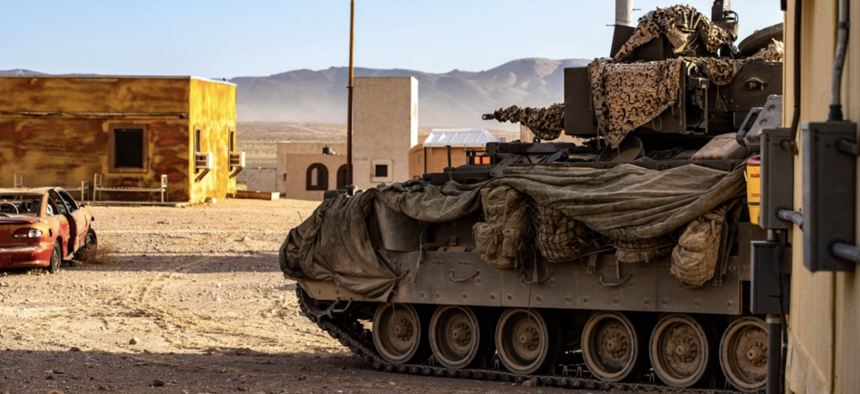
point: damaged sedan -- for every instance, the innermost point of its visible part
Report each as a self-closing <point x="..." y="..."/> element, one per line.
<point x="42" y="227"/>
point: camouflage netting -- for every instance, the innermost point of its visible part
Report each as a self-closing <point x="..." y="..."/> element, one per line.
<point x="561" y="238"/>
<point x="723" y="70"/>
<point x="682" y="25"/>
<point x="626" y="203"/>
<point x="645" y="250"/>
<point x="628" y="95"/>
<point x="544" y="122"/>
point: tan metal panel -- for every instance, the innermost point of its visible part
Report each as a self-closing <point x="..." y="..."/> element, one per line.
<point x="815" y="345"/>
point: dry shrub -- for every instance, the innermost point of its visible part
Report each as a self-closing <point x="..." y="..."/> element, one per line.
<point x="104" y="254"/>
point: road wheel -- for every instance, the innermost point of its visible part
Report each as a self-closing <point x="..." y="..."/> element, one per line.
<point x="611" y="347"/>
<point x="397" y="332"/>
<point x="56" y="258"/>
<point x="89" y="249"/>
<point x="458" y="336"/>
<point x="681" y="351"/>
<point x="527" y="341"/>
<point x="743" y="354"/>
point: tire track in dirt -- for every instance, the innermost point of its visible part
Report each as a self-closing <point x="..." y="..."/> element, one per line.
<point x="192" y="330"/>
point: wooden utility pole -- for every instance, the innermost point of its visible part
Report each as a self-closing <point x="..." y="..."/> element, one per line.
<point x="349" y="99"/>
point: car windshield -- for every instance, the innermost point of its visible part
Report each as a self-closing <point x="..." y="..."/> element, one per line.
<point x="20" y="204"/>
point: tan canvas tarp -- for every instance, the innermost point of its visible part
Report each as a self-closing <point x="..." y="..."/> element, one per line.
<point x="333" y="245"/>
<point x="625" y="203"/>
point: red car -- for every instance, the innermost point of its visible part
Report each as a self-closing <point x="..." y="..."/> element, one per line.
<point x="42" y="227"/>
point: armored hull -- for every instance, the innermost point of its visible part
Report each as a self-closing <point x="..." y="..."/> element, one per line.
<point x="451" y="313"/>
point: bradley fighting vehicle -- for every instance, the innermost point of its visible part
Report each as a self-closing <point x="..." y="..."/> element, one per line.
<point x="619" y="260"/>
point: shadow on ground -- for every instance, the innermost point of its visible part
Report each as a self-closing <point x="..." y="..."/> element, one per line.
<point x="167" y="262"/>
<point x="218" y="371"/>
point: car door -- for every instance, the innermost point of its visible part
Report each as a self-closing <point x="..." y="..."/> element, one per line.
<point x="57" y="213"/>
<point x="79" y="216"/>
<point x="77" y="220"/>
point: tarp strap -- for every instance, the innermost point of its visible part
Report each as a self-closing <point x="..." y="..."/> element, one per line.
<point x="420" y="254"/>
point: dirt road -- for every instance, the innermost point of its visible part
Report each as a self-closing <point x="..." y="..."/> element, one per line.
<point x="193" y="302"/>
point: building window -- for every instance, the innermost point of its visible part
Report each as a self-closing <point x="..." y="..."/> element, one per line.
<point x="128" y="145"/>
<point x="341" y="177"/>
<point x="381" y="170"/>
<point x="317" y="177"/>
<point x="232" y="142"/>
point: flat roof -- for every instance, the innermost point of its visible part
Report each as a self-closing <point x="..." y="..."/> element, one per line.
<point x="98" y="76"/>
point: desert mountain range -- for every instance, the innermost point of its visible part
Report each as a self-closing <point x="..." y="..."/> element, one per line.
<point x="453" y="99"/>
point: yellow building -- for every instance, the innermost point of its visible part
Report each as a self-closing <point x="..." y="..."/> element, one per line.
<point x="64" y="130"/>
<point x="824" y="346"/>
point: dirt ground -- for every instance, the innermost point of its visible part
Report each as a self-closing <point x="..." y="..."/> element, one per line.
<point x="200" y="292"/>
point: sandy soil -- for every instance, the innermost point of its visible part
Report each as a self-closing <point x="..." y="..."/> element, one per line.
<point x="200" y="291"/>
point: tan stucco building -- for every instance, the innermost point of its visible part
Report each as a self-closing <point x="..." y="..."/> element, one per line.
<point x="385" y="124"/>
<point x="385" y="128"/>
<point x="304" y="172"/>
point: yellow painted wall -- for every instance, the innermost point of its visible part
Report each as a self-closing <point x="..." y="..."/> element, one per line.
<point x="213" y="112"/>
<point x="94" y="94"/>
<point x="55" y="131"/>
<point x="69" y="143"/>
<point x="824" y="350"/>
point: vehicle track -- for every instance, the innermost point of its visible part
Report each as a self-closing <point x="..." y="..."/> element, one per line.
<point x="352" y="334"/>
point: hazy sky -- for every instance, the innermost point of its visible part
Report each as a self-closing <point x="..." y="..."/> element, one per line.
<point x="221" y="38"/>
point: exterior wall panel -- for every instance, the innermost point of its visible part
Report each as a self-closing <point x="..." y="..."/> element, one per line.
<point x="213" y="111"/>
<point x="385" y="126"/>
<point x="824" y="352"/>
<point x="95" y="94"/>
<point x="293" y="160"/>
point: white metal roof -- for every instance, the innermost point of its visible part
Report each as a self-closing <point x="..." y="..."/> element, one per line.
<point x="469" y="138"/>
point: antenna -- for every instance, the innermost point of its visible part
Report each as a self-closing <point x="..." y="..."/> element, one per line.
<point x="349" y="99"/>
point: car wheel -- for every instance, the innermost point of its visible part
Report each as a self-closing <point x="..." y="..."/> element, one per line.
<point x="56" y="259"/>
<point x="91" y="246"/>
